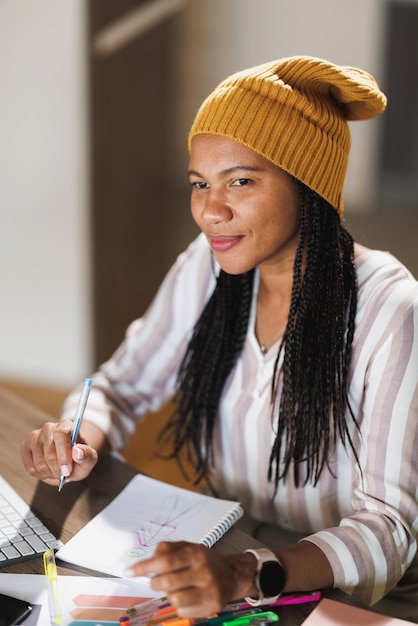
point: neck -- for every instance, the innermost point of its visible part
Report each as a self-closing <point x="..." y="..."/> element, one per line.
<point x="272" y="313"/>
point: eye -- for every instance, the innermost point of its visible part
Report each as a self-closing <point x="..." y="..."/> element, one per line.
<point x="241" y="182"/>
<point x="198" y="184"/>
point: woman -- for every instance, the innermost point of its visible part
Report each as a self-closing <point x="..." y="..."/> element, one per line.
<point x="290" y="350"/>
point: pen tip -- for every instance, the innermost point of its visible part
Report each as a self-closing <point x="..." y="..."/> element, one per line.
<point x="61" y="482"/>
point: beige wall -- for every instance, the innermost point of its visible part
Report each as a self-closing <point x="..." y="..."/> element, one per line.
<point x="44" y="253"/>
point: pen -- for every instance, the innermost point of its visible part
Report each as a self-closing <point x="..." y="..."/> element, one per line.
<point x="168" y="616"/>
<point x="218" y="620"/>
<point x="77" y="420"/>
<point x="258" y="618"/>
<point x="285" y="599"/>
<point x="150" y="619"/>
<point x="53" y="596"/>
<point x="165" y="611"/>
<point x="294" y="598"/>
<point x="157" y="618"/>
<point x="147" y="607"/>
<point x="144" y="614"/>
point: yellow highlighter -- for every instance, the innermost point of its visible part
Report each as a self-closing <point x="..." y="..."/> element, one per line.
<point x="53" y="595"/>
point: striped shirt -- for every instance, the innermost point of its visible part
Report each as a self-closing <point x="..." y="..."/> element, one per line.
<point x="364" y="521"/>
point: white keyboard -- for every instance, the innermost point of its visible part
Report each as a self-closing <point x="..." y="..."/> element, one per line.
<point x="22" y="534"/>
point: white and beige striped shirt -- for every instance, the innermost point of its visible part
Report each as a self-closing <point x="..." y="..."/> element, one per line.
<point x="365" y="524"/>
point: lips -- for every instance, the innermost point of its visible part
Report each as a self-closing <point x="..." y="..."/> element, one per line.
<point x="224" y="243"/>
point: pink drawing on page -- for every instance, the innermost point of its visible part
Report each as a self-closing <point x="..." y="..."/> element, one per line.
<point x="166" y="525"/>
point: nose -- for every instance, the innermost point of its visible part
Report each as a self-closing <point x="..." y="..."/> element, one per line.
<point x="214" y="208"/>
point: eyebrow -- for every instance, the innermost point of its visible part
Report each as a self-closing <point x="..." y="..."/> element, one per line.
<point x="231" y="170"/>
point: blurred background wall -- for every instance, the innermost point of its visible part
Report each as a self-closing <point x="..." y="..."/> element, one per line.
<point x="96" y="100"/>
<point x="45" y="319"/>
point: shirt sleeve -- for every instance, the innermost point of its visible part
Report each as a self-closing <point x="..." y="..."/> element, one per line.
<point x="370" y="550"/>
<point x="141" y="375"/>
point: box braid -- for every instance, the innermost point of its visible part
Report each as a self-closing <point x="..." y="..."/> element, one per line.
<point x="317" y="350"/>
<point x="213" y="350"/>
<point x="317" y="344"/>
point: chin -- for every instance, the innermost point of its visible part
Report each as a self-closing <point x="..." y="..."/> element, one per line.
<point x="235" y="270"/>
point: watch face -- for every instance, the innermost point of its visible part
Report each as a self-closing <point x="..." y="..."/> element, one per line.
<point x="271" y="579"/>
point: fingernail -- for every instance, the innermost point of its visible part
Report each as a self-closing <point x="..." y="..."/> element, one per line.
<point x="65" y="470"/>
<point x="80" y="453"/>
<point x="129" y="573"/>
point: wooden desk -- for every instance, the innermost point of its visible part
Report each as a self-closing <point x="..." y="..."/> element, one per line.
<point x="67" y="512"/>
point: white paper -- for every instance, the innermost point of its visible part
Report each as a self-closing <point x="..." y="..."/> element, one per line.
<point x="82" y="598"/>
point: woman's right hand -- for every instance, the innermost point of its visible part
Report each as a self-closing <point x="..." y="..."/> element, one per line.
<point x="47" y="452"/>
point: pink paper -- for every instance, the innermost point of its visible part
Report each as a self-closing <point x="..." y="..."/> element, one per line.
<point x="332" y="613"/>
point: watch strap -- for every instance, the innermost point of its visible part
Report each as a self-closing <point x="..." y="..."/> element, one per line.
<point x="266" y="558"/>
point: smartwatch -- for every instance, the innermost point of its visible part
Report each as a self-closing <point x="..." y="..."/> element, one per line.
<point x="270" y="577"/>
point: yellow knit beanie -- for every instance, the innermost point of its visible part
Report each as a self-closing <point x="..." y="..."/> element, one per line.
<point x="294" y="112"/>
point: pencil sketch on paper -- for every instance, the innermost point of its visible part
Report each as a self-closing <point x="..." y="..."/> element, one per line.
<point x="173" y="512"/>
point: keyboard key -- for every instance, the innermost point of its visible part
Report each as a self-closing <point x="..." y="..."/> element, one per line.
<point x="47" y="537"/>
<point x="11" y="552"/>
<point x="36" y="542"/>
<point x="33" y="522"/>
<point x="14" y="517"/>
<point x="24" y="548"/>
<point x="22" y="534"/>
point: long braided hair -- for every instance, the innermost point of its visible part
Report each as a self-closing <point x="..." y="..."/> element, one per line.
<point x="317" y="350"/>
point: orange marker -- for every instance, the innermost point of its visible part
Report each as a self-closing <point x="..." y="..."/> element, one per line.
<point x="181" y="621"/>
<point x="167" y="609"/>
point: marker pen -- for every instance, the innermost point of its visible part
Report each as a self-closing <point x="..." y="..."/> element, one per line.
<point x="287" y="598"/>
<point x="218" y="620"/>
<point x="294" y="598"/>
<point x="266" y="616"/>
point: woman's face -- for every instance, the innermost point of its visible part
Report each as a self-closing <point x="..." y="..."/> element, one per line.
<point x="247" y="207"/>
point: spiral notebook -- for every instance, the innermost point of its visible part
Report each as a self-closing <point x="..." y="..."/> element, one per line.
<point x="146" y="512"/>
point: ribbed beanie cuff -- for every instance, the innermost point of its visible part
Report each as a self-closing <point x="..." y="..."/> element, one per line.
<point x="294" y="113"/>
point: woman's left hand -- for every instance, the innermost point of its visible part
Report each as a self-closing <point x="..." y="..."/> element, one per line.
<point x="198" y="581"/>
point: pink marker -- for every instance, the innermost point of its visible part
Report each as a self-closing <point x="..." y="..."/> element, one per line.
<point x="294" y="598"/>
<point x="288" y="598"/>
